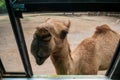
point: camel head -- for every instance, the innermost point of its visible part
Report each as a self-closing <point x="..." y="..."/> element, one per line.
<point x="48" y="38"/>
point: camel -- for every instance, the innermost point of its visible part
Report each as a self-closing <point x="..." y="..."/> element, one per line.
<point x="91" y="55"/>
<point x="50" y="40"/>
<point x="95" y="53"/>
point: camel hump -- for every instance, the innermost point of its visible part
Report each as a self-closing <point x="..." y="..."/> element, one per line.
<point x="102" y="28"/>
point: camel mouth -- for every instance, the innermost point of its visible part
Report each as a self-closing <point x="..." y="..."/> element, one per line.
<point x="40" y="60"/>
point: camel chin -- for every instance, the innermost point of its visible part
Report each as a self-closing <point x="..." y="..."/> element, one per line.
<point x="40" y="60"/>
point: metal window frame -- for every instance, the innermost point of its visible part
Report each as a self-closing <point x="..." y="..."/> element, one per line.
<point x="5" y="74"/>
<point x="19" y="37"/>
<point x="114" y="69"/>
<point x="15" y="10"/>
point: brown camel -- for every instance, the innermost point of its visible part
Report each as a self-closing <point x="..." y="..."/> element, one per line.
<point x="91" y="55"/>
<point x="95" y="53"/>
<point x="50" y="40"/>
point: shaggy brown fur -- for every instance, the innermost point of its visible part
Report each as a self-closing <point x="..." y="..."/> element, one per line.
<point x="95" y="53"/>
<point x="91" y="55"/>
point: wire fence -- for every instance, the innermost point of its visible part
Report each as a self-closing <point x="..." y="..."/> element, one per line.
<point x="112" y="14"/>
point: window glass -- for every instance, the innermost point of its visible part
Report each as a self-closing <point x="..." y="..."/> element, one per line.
<point x="83" y="25"/>
<point x="9" y="53"/>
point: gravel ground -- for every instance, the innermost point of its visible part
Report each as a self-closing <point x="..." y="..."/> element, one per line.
<point x="81" y="28"/>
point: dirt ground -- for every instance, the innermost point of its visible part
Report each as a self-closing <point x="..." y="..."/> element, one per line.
<point x="82" y="27"/>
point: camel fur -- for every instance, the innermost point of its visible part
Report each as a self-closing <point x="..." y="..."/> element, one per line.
<point x="91" y="55"/>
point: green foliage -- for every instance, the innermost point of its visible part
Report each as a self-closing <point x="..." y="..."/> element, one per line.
<point x="2" y="6"/>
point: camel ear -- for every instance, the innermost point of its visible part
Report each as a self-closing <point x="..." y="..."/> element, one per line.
<point x="67" y="23"/>
<point x="47" y="19"/>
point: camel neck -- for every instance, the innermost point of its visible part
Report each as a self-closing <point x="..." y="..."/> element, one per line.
<point x="61" y="59"/>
